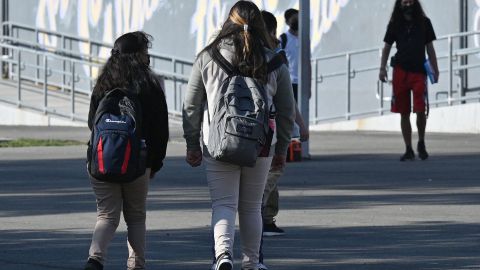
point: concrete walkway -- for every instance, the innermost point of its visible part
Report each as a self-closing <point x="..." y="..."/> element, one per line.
<point x="353" y="206"/>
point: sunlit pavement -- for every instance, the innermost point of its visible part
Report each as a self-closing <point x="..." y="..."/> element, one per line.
<point x="352" y="206"/>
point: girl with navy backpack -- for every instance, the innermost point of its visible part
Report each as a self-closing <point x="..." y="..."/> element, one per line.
<point x="129" y="122"/>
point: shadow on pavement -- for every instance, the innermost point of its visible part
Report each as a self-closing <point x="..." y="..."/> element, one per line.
<point x="43" y="187"/>
<point x="39" y="187"/>
<point x="421" y="246"/>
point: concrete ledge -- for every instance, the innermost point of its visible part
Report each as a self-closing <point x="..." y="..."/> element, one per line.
<point x="454" y="119"/>
<point x="13" y="116"/>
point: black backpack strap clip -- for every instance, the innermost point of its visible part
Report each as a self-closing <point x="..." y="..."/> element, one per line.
<point x="276" y="61"/>
<point x="283" y="40"/>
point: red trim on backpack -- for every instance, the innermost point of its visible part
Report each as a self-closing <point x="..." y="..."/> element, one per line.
<point x="128" y="150"/>
<point x="101" y="166"/>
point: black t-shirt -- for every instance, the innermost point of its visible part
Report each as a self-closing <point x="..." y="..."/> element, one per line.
<point x="411" y="39"/>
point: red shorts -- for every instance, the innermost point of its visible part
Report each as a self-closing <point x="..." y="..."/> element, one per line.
<point x="404" y="83"/>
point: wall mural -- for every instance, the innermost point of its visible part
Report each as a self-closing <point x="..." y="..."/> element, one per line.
<point x="210" y="14"/>
<point x="115" y="17"/>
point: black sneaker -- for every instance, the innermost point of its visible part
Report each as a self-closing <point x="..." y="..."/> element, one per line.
<point x="223" y="262"/>
<point x="270" y="229"/>
<point x="422" y="150"/>
<point x="409" y="155"/>
<point x="262" y="266"/>
<point x="93" y="265"/>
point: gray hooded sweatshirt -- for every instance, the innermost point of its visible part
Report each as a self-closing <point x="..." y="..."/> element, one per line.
<point x="203" y="86"/>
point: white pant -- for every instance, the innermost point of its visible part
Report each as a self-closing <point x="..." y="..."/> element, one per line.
<point x="233" y="187"/>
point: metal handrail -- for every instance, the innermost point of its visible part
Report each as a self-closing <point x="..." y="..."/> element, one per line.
<point x="20" y="78"/>
<point x="177" y="75"/>
<point x="379" y="48"/>
<point x="343" y="54"/>
<point x="50" y="54"/>
<point x="349" y="72"/>
<point x="90" y="57"/>
<point x="20" y="66"/>
<point x="14" y="25"/>
<point x="167" y="75"/>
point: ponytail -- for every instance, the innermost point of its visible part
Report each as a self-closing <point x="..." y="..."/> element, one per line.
<point x="246" y="28"/>
<point x="247" y="39"/>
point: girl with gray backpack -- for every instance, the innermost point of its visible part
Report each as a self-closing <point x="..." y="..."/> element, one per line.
<point x="242" y="93"/>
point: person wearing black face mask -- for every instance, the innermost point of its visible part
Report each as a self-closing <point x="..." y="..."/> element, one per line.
<point x="127" y="68"/>
<point x="413" y="33"/>
<point x="407" y="10"/>
<point x="294" y="24"/>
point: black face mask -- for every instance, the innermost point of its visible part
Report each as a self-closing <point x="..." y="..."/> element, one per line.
<point x="294" y="25"/>
<point x="407" y="11"/>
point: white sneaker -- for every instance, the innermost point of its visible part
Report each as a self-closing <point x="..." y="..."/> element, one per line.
<point x="223" y="262"/>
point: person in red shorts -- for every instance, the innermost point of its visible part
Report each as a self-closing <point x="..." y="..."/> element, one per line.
<point x="413" y="33"/>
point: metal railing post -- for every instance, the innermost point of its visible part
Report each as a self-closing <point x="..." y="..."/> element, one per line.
<point x="10" y="54"/>
<point x="90" y="68"/>
<point x="450" y="70"/>
<point x="1" y="66"/>
<point x="45" y="84"/>
<point x="381" y="96"/>
<point x="37" y="78"/>
<point x="19" y="75"/>
<point x="347" y="115"/>
<point x="64" y="63"/>
<point x="72" y="94"/>
<point x="175" y="98"/>
<point x="180" y="92"/>
<point x="316" y="89"/>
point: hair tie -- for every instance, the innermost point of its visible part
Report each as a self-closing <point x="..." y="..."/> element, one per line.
<point x="245" y="27"/>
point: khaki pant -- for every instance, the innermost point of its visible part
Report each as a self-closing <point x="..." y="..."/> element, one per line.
<point x="111" y="199"/>
<point x="270" y="197"/>
<point x="233" y="187"/>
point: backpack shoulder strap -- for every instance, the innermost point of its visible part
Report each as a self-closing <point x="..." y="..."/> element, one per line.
<point x="221" y="61"/>
<point x="283" y="40"/>
<point x="105" y="103"/>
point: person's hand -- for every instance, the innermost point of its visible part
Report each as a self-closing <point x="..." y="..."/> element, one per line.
<point x="382" y="76"/>
<point x="194" y="157"/>
<point x="278" y="162"/>
<point x="304" y="133"/>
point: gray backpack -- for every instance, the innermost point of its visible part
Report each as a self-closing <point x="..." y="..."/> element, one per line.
<point x="239" y="127"/>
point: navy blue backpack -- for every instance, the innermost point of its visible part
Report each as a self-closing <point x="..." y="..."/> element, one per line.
<point x="117" y="152"/>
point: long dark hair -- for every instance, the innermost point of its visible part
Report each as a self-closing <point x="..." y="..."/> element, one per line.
<point x="249" y="41"/>
<point x="270" y="27"/>
<point x="128" y="65"/>
<point x="397" y="18"/>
